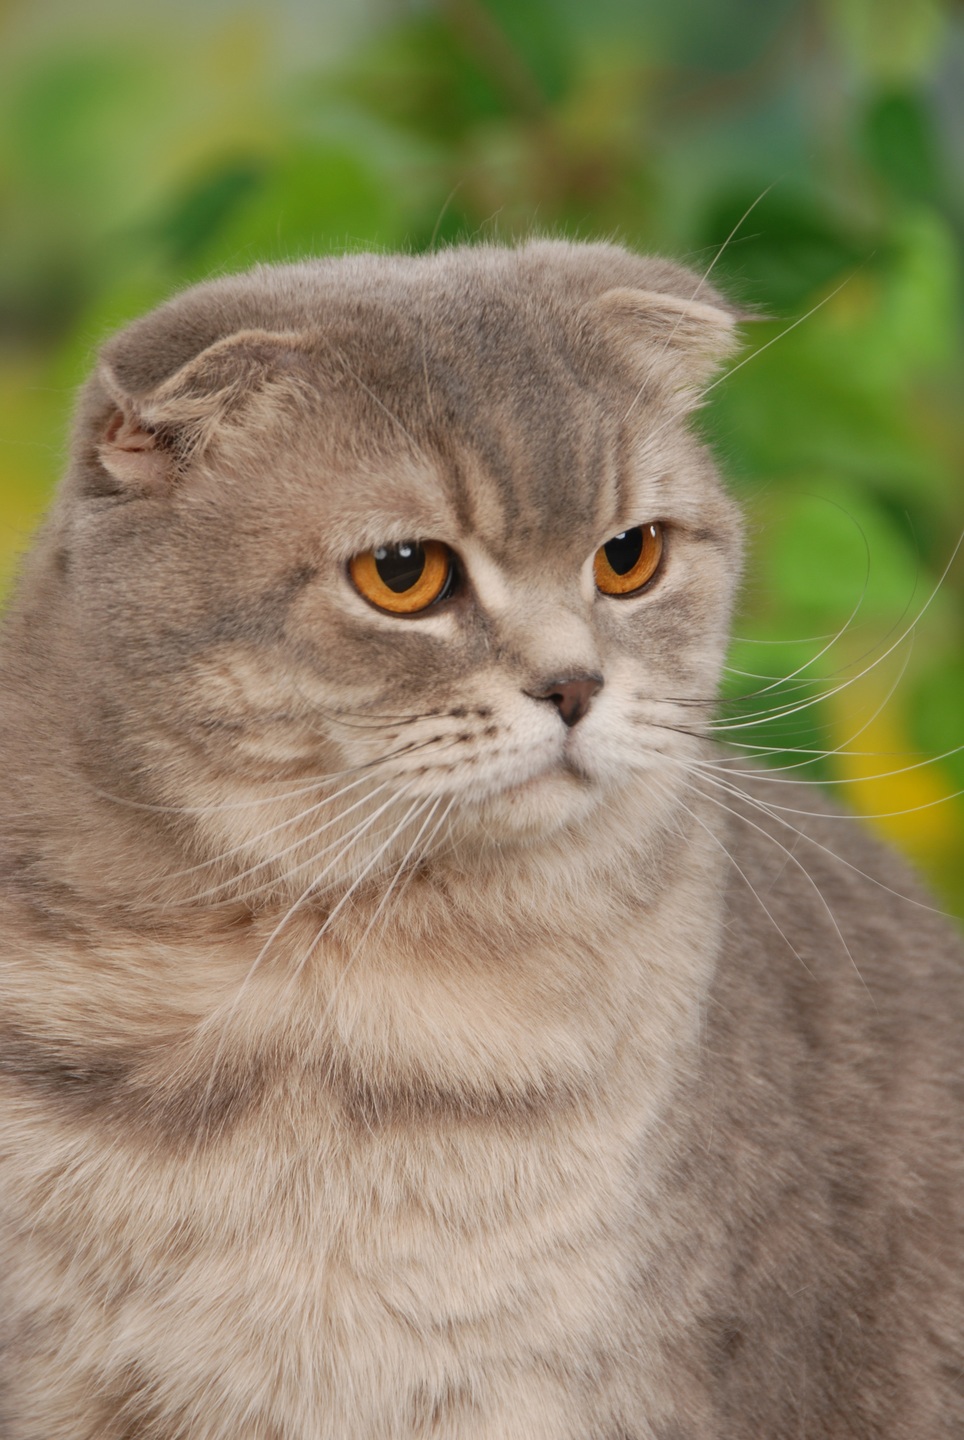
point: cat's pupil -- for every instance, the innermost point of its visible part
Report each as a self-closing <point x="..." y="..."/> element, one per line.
<point x="623" y="550"/>
<point x="400" y="566"/>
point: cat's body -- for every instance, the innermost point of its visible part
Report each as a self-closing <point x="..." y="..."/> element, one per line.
<point x="402" y="1034"/>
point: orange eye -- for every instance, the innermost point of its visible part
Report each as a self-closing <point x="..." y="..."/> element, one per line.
<point x="405" y="578"/>
<point x="629" y="561"/>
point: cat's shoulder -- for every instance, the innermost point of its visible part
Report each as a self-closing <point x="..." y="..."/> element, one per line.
<point x="808" y="852"/>
<point x="820" y="1124"/>
<point x="830" y="937"/>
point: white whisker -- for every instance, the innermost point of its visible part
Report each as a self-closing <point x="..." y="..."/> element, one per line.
<point x="775" y="812"/>
<point x="222" y="1017"/>
<point x="746" y="880"/>
<point x="247" y="845"/>
<point x="800" y="866"/>
<point x="782" y="335"/>
<point x="381" y="905"/>
<point x="416" y="809"/>
<point x="700" y="283"/>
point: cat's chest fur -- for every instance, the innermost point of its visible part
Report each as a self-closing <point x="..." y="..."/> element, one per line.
<point x="434" y="1191"/>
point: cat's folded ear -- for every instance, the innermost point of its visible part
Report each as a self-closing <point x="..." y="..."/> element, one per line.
<point x="677" y="343"/>
<point x="148" y="437"/>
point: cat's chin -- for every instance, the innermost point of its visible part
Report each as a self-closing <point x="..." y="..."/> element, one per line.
<point x="534" y="809"/>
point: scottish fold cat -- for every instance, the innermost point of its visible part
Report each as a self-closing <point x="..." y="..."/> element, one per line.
<point x="412" y="1023"/>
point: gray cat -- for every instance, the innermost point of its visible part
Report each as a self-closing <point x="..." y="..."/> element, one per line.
<point x="410" y="1024"/>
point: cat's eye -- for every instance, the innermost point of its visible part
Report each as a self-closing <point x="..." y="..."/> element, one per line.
<point x="629" y="560"/>
<point x="404" y="578"/>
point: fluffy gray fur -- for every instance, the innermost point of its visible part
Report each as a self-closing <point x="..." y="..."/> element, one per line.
<point x="382" y="1056"/>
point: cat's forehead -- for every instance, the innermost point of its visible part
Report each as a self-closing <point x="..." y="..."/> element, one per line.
<point x="439" y="455"/>
<point x="479" y="409"/>
<point x="487" y="392"/>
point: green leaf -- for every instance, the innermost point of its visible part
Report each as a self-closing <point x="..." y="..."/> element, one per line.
<point x="829" y="557"/>
<point x="318" y="198"/>
<point x="936" y="711"/>
<point x="203" y="211"/>
<point x="900" y="143"/>
<point x="791" y="245"/>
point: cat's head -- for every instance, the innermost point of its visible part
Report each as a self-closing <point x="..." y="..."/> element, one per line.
<point x="365" y="552"/>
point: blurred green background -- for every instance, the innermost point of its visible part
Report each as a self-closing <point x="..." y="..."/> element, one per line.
<point x="141" y="151"/>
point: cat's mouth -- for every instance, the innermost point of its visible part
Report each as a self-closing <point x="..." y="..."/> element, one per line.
<point x="563" y="768"/>
<point x="552" y="795"/>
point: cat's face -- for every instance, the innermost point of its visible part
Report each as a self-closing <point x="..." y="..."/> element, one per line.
<point x="405" y="549"/>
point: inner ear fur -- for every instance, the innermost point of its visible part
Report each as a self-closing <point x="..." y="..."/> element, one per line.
<point x="685" y="340"/>
<point x="151" y="436"/>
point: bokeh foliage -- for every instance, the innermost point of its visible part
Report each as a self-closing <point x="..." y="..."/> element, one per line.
<point x="821" y="139"/>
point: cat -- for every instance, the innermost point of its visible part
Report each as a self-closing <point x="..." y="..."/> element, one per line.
<point x="412" y="1024"/>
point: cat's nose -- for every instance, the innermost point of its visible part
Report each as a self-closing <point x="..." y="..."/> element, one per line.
<point x="572" y="694"/>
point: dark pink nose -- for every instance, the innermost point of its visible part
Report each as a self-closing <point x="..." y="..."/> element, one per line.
<point x="572" y="695"/>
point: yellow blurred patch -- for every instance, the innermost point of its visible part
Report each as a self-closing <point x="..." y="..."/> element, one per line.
<point x="905" y="795"/>
<point x="32" y="446"/>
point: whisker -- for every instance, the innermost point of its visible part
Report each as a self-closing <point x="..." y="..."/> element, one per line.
<point x="358" y="947"/>
<point x="845" y="745"/>
<point x="774" y="778"/>
<point x="768" y="808"/>
<point x="414" y="811"/>
<point x="223" y="1016"/>
<point x="746" y="749"/>
<point x="783" y="333"/>
<point x="802" y="640"/>
<point x="277" y="855"/>
<point x="738" y="226"/>
<point x="796" y="861"/>
<point x="400" y="868"/>
<point x="363" y="768"/>
<point x="758" y="675"/>
<point x="441" y="214"/>
<point x="230" y="881"/>
<point x="797" y="707"/>
<point x="239" y="849"/>
<point x="686" y="409"/>
<point x="218" y="806"/>
<point x="272" y="860"/>
<point x="446" y="813"/>
<point x="847" y="624"/>
<point x="746" y="880"/>
<point x="701" y="282"/>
